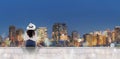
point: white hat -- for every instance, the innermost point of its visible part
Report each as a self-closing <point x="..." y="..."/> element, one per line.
<point x="31" y="27"/>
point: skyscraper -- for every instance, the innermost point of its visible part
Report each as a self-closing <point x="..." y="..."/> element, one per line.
<point x="42" y="36"/>
<point x="59" y="34"/>
<point x="42" y="33"/>
<point x="75" y="35"/>
<point x="113" y="36"/>
<point x="19" y="37"/>
<point x="0" y="39"/>
<point x="59" y="30"/>
<point x="12" y="36"/>
<point x="19" y="32"/>
<point x="12" y="32"/>
<point x="117" y="34"/>
<point x="88" y="39"/>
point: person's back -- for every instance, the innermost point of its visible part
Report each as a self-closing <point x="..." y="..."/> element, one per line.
<point x="30" y="43"/>
<point x="31" y="33"/>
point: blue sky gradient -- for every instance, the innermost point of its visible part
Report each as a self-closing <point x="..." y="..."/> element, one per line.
<point x="81" y="15"/>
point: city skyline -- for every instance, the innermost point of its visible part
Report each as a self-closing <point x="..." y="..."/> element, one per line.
<point x="5" y="34"/>
<point x="82" y="16"/>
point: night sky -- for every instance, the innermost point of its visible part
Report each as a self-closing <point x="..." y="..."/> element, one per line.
<point x="81" y="15"/>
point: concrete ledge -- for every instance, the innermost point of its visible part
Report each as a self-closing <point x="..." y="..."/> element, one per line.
<point x="60" y="53"/>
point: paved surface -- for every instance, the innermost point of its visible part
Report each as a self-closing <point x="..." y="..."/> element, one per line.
<point x="60" y="53"/>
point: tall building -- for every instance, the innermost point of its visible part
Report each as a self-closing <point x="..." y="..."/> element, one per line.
<point x="105" y="35"/>
<point x="113" y="36"/>
<point x="1" y="39"/>
<point x="19" y="37"/>
<point x="75" y="35"/>
<point x="94" y="40"/>
<point x="88" y="39"/>
<point x="42" y="33"/>
<point x="59" y="34"/>
<point x="59" y="31"/>
<point x="117" y="34"/>
<point x="19" y="34"/>
<point x="99" y="38"/>
<point x="12" y="36"/>
<point x="12" y="33"/>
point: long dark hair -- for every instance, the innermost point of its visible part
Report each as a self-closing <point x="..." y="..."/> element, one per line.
<point x="30" y="33"/>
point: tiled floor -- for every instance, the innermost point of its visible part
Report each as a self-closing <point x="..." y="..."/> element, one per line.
<point x="60" y="53"/>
